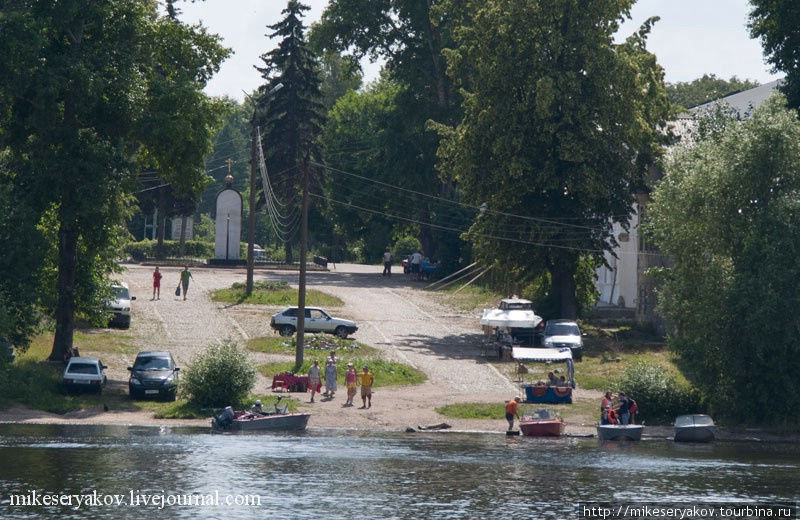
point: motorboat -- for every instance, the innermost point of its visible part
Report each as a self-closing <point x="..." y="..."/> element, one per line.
<point x="514" y="316"/>
<point x="544" y="392"/>
<point x="543" y="423"/>
<point x="694" y="428"/>
<point x="278" y="420"/>
<point x="620" y="432"/>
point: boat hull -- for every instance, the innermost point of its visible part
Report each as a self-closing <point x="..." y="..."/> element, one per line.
<point x="542" y="428"/>
<point x="289" y="422"/>
<point x="695" y="433"/>
<point x="619" y="432"/>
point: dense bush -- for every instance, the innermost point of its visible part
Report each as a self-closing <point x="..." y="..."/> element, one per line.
<point x="406" y="244"/>
<point x="146" y="249"/>
<point x="220" y="376"/>
<point x="659" y="395"/>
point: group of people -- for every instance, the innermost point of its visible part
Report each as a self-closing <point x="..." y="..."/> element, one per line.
<point x="186" y="275"/>
<point x="364" y="379"/>
<point x="414" y="264"/>
<point x="620" y="411"/>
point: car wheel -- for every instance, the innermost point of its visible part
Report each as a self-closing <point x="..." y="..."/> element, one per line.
<point x="286" y="330"/>
<point x="341" y="332"/>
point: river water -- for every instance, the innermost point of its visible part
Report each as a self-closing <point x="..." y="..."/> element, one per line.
<point x="191" y="473"/>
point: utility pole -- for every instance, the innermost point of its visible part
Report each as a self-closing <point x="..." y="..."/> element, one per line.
<point x="251" y="201"/>
<point x="301" y="289"/>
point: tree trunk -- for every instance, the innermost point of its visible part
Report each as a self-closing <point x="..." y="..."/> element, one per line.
<point x="563" y="288"/>
<point x="287" y="249"/>
<point x="65" y="310"/>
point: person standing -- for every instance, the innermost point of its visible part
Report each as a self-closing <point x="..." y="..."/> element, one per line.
<point x="330" y="379"/>
<point x="624" y="408"/>
<point x="416" y="265"/>
<point x="605" y="406"/>
<point x="157" y="284"/>
<point x="512" y="410"/>
<point x="366" y="380"/>
<point x="313" y="379"/>
<point x="185" y="276"/>
<point x="350" y="382"/>
<point x="387" y="262"/>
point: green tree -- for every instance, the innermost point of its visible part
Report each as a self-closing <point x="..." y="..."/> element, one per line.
<point x="93" y="93"/>
<point x="727" y="215"/>
<point x="291" y="118"/>
<point x="560" y="125"/>
<point x="689" y="94"/>
<point x="338" y="75"/>
<point x="775" y="23"/>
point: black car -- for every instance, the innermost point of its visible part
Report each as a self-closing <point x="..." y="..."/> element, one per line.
<point x="153" y="374"/>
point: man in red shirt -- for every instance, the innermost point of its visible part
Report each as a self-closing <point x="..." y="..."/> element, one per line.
<point x="511" y="412"/>
<point x="156" y="284"/>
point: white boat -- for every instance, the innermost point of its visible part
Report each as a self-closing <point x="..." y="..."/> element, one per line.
<point x="620" y="432"/>
<point x="514" y="315"/>
<point x="695" y="428"/>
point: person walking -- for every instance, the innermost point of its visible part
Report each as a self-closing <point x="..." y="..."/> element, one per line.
<point x="330" y="379"/>
<point x="350" y="382"/>
<point x="366" y="380"/>
<point x="157" y="284"/>
<point x="416" y="265"/>
<point x="185" y="276"/>
<point x="313" y="379"/>
<point x="512" y="410"/>
<point x="387" y="262"/>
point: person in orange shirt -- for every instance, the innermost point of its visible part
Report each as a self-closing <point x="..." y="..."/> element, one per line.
<point x="511" y="412"/>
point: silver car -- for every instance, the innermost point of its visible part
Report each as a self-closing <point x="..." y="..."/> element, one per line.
<point x="316" y="320"/>
<point x="84" y="374"/>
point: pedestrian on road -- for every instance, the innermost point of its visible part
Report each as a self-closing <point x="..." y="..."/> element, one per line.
<point x="313" y="379"/>
<point x="350" y="382"/>
<point x="512" y="410"/>
<point x="330" y="379"/>
<point x="157" y="284"/>
<point x="366" y="380"/>
<point x="416" y="265"/>
<point x="185" y="276"/>
<point x="387" y="262"/>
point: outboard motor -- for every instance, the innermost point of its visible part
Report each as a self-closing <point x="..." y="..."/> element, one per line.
<point x="225" y="418"/>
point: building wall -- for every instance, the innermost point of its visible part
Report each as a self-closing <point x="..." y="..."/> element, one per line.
<point x="618" y="283"/>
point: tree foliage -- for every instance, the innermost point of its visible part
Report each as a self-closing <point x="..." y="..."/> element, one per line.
<point x="560" y="125"/>
<point x="689" y="94"/>
<point x="220" y="376"/>
<point x="93" y="93"/>
<point x="775" y="23"/>
<point x="727" y="213"/>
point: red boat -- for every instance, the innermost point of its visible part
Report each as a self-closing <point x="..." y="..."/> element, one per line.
<point x="543" y="423"/>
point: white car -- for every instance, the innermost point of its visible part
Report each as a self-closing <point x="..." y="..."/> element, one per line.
<point x="84" y="373"/>
<point x="316" y="320"/>
<point x="562" y="334"/>
<point x="120" y="306"/>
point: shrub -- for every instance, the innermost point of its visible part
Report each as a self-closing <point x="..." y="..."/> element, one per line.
<point x="659" y="395"/>
<point x="406" y="244"/>
<point x="220" y="376"/>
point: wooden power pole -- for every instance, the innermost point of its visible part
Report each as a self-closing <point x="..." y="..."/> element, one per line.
<point x="301" y="289"/>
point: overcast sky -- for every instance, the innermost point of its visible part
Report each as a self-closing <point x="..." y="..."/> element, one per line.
<point x="694" y="37"/>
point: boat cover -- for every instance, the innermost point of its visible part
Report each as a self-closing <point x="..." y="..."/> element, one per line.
<point x="515" y="318"/>
<point x="542" y="354"/>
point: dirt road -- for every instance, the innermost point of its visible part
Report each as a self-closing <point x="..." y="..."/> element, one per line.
<point x="393" y="315"/>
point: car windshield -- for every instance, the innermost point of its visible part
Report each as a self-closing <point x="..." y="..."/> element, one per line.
<point x="82" y="368"/>
<point x="562" y="329"/>
<point x="151" y="363"/>
<point x="121" y="293"/>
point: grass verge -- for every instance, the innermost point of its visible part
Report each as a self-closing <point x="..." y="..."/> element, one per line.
<point x="468" y="299"/>
<point x="273" y="293"/>
<point x="580" y="412"/>
<point x="387" y="373"/>
<point x="183" y="409"/>
<point x="317" y="346"/>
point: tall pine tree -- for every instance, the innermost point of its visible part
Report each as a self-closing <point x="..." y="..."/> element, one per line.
<point x="291" y="118"/>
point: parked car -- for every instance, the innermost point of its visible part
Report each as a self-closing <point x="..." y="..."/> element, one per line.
<point x="153" y="374"/>
<point x="316" y="320"/>
<point x="120" y="306"/>
<point x="84" y="373"/>
<point x="564" y="333"/>
<point x="259" y="255"/>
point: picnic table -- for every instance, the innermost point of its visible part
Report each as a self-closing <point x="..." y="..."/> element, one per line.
<point x="290" y="382"/>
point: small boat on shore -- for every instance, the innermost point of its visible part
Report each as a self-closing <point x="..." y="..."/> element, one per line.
<point x="278" y="420"/>
<point x="695" y="428"/>
<point x="543" y="423"/>
<point x="620" y="432"/>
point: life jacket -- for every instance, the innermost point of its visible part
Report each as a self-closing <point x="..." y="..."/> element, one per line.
<point x="634" y="407"/>
<point x="612" y="416"/>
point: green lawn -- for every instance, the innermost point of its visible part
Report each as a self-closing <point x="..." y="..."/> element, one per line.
<point x="472" y="297"/>
<point x="318" y="346"/>
<point x="387" y="373"/>
<point x="581" y="411"/>
<point x="274" y="293"/>
<point x="183" y="409"/>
